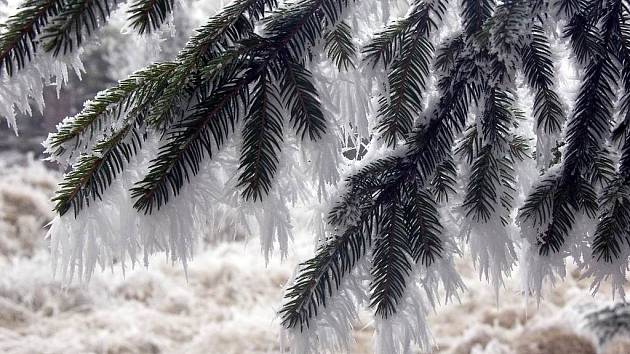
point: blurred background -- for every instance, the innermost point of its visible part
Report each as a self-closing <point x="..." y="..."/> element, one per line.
<point x="228" y="302"/>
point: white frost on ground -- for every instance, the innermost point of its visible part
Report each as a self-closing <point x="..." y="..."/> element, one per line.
<point x="229" y="303"/>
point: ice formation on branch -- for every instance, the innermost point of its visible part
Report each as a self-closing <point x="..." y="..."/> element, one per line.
<point x="422" y="97"/>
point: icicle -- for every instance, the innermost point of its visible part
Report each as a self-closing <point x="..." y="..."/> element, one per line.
<point x="111" y="229"/>
<point x="322" y="160"/>
<point x="331" y="331"/>
<point x="615" y="272"/>
<point x="274" y="225"/>
<point x="17" y="91"/>
<point x="408" y="326"/>
<point x="492" y="250"/>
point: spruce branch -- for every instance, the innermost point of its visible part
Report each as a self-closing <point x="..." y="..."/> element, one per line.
<point x="388" y="178"/>
<point x="538" y="207"/>
<point x="373" y="189"/>
<point x="129" y="101"/>
<point x="568" y="8"/>
<point x="612" y="21"/>
<point x="298" y="26"/>
<point x="262" y="140"/>
<point x="444" y="180"/>
<point x="585" y="36"/>
<point x="18" y="38"/>
<point x="561" y="221"/>
<point x="497" y="118"/>
<point x="188" y="142"/>
<point x="391" y="259"/>
<point x="469" y="144"/>
<point x="585" y="162"/>
<point x="164" y="85"/>
<point x="129" y="98"/>
<point x="321" y="276"/>
<point x="407" y="82"/>
<point x="431" y="143"/>
<point x="385" y="45"/>
<point x="234" y="25"/>
<point x="591" y="122"/>
<point x="475" y="14"/>
<point x="408" y="69"/>
<point x="614" y="221"/>
<point x="423" y="226"/>
<point x="405" y="218"/>
<point x="603" y="168"/>
<point x="519" y="148"/>
<point x="93" y="173"/>
<point x="207" y="49"/>
<point x="363" y="186"/>
<point x="448" y="51"/>
<point x="539" y="71"/>
<point x="614" y="211"/>
<point x="339" y="46"/>
<point x="508" y="187"/>
<point x="77" y="19"/>
<point x="301" y="99"/>
<point x="481" y="199"/>
<point x="550" y="201"/>
<point x="553" y="204"/>
<point x="507" y="26"/>
<point x="188" y="83"/>
<point x="146" y="16"/>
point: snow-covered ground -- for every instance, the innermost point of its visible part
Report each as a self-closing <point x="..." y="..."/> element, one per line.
<point x="229" y="300"/>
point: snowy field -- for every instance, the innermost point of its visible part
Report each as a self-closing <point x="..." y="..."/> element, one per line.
<point x="228" y="302"/>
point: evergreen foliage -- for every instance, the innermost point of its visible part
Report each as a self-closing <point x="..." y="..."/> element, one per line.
<point x="339" y="46"/>
<point x="77" y="19"/>
<point x="538" y="68"/>
<point x="147" y="16"/>
<point x="448" y="115"/>
<point x="17" y="41"/>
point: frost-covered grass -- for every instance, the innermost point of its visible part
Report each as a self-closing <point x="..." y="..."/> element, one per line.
<point x="228" y="302"/>
<point x="25" y="190"/>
